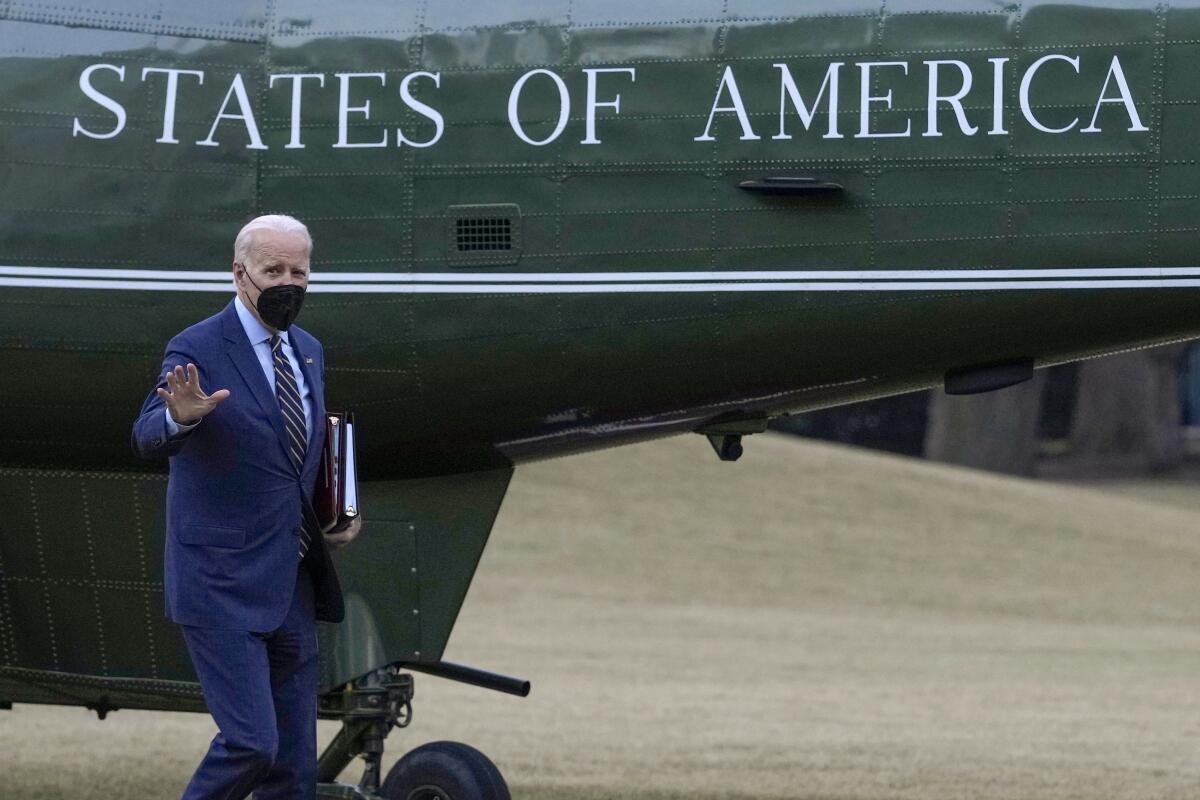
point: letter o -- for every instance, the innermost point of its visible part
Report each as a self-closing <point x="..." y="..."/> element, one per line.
<point x="564" y="107"/>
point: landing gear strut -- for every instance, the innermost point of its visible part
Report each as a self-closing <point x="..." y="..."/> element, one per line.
<point x="370" y="707"/>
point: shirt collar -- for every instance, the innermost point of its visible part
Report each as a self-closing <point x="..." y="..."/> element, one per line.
<point x="255" y="331"/>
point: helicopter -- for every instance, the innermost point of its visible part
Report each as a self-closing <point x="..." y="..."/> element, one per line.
<point x="541" y="227"/>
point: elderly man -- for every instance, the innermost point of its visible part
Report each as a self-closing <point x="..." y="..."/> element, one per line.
<point x="247" y="571"/>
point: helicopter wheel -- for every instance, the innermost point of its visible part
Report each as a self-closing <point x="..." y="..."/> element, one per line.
<point x="444" y="771"/>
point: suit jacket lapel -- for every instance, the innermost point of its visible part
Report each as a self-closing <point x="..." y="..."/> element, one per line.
<point x="241" y="352"/>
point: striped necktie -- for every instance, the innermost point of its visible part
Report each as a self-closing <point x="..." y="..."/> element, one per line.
<point x="288" y="395"/>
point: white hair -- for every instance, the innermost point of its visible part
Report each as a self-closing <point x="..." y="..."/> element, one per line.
<point x="271" y="222"/>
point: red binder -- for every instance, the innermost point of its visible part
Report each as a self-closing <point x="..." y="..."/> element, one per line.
<point x="335" y="499"/>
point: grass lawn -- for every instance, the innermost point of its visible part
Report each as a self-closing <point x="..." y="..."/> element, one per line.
<point x="811" y="622"/>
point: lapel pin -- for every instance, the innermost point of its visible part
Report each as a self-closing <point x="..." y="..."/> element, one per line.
<point x="308" y="361"/>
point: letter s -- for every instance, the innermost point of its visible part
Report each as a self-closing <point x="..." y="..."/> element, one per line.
<point x="85" y="83"/>
<point x="432" y="114"/>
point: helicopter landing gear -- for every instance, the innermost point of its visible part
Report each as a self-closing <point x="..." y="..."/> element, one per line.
<point x="444" y="771"/>
<point x="369" y="708"/>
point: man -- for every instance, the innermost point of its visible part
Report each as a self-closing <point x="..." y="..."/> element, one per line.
<point x="247" y="572"/>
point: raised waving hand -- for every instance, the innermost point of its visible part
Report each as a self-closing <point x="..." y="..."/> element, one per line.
<point x="184" y="397"/>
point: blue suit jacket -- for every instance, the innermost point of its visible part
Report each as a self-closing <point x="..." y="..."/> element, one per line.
<point x="234" y="500"/>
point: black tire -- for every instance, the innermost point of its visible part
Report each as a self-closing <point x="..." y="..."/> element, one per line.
<point x="444" y="771"/>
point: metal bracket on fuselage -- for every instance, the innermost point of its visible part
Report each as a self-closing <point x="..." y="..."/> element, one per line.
<point x="725" y="435"/>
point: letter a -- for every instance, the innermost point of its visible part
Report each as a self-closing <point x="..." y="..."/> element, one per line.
<point x="1135" y="122"/>
<point x="738" y="107"/>
<point x="238" y="89"/>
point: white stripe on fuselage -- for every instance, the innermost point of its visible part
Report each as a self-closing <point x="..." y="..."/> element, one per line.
<point x="598" y="282"/>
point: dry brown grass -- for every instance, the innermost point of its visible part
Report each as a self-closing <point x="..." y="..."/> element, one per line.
<point x="811" y="622"/>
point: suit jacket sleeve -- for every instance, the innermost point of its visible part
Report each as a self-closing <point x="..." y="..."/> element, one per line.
<point x="152" y="437"/>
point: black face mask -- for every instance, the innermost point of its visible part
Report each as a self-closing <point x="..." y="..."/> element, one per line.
<point x="278" y="305"/>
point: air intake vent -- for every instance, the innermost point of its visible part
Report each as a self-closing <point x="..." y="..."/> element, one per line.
<point x="483" y="234"/>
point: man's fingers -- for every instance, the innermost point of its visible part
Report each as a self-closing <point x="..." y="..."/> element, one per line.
<point x="176" y="382"/>
<point x="183" y="390"/>
<point x="193" y="381"/>
<point x="186" y="379"/>
<point x="340" y="537"/>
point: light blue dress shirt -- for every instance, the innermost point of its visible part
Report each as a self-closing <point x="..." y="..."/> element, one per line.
<point x="260" y="340"/>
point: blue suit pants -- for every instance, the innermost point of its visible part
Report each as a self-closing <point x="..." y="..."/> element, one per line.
<point x="261" y="689"/>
